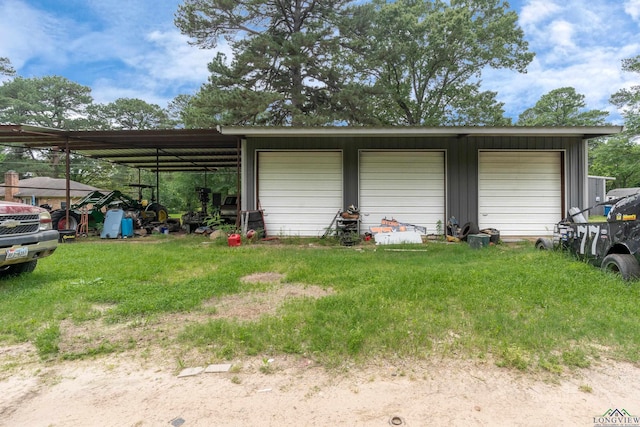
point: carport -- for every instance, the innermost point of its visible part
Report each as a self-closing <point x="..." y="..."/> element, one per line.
<point x="163" y="150"/>
<point x="520" y="180"/>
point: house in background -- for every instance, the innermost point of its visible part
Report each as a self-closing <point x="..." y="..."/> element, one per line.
<point x="42" y="190"/>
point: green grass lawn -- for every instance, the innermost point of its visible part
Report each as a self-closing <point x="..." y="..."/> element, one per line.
<point x="522" y="308"/>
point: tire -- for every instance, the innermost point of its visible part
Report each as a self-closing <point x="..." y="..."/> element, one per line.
<point x="59" y="220"/>
<point x="17" y="269"/>
<point x="468" y="228"/>
<point x="625" y="265"/>
<point x="544" y="244"/>
<point x="161" y="213"/>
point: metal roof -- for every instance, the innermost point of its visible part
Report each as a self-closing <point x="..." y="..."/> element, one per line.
<point x="164" y="150"/>
<point x="168" y="150"/>
<point x="585" y="132"/>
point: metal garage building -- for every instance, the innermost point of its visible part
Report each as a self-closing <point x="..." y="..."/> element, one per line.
<point x="519" y="180"/>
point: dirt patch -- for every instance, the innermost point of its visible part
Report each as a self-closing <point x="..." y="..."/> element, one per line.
<point x="139" y="385"/>
<point x="116" y="391"/>
<point x="251" y="306"/>
<point x="98" y="336"/>
<point x="263" y="278"/>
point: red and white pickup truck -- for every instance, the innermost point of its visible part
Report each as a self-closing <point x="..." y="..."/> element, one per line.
<point x="26" y="235"/>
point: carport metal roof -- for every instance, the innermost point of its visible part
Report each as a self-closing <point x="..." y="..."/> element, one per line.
<point x="165" y="150"/>
<point x="193" y="150"/>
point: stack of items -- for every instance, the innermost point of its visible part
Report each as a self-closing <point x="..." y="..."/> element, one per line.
<point x="392" y="231"/>
<point x="348" y="226"/>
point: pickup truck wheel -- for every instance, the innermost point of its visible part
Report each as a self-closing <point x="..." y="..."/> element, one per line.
<point x="625" y="265"/>
<point x="16" y="269"/>
<point x="59" y="220"/>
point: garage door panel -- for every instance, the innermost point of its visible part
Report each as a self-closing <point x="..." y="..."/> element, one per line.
<point x="519" y="210"/>
<point x="300" y="192"/>
<point x="407" y="186"/>
<point x="520" y="193"/>
<point x="402" y="194"/>
<point x="402" y="185"/>
<point x="522" y="176"/>
<point x="303" y="214"/>
<point x="307" y="174"/>
<point x="318" y="183"/>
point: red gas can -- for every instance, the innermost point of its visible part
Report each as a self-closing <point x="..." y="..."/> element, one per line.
<point x="234" y="240"/>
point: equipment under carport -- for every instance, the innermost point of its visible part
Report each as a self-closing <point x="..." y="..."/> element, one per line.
<point x="88" y="212"/>
<point x="67" y="236"/>
<point x="191" y="221"/>
<point x="116" y="225"/>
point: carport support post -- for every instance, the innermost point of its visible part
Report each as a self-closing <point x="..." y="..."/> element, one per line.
<point x="238" y="186"/>
<point x="67" y="176"/>
<point x="157" y="175"/>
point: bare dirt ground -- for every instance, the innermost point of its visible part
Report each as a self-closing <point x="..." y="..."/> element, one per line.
<point x="144" y="388"/>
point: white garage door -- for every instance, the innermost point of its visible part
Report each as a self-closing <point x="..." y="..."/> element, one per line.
<point x="520" y="193"/>
<point x="299" y="191"/>
<point x="406" y="186"/>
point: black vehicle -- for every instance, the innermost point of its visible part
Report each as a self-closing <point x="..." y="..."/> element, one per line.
<point x="613" y="245"/>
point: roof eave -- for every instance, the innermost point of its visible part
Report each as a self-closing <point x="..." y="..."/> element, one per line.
<point x="462" y="131"/>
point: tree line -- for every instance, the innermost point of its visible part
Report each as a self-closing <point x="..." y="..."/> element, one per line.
<point x="340" y="62"/>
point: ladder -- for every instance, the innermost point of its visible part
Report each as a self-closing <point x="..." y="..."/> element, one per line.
<point x="83" y="227"/>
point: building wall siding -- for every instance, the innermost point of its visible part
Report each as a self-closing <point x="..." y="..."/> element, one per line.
<point x="461" y="171"/>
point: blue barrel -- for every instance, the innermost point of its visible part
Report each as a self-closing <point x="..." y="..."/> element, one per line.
<point x="127" y="227"/>
<point x="607" y="209"/>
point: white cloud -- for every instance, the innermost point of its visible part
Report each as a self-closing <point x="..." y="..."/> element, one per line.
<point x="536" y="11"/>
<point x="577" y="44"/>
<point x="28" y="33"/>
<point x="159" y="62"/>
<point x="632" y="7"/>
<point x="595" y="74"/>
<point x="135" y="51"/>
<point x="561" y="32"/>
<point x="132" y="51"/>
<point x="174" y="59"/>
<point x="167" y="65"/>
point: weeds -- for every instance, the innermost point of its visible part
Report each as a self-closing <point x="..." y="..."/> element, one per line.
<point x="527" y="309"/>
<point x="47" y="340"/>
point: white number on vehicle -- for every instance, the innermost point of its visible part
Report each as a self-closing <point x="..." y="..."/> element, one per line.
<point x="585" y="232"/>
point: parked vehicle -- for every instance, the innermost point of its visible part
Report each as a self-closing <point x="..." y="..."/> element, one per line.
<point x="229" y="209"/>
<point x="220" y="214"/>
<point x="613" y="245"/>
<point x="143" y="212"/>
<point x="26" y="236"/>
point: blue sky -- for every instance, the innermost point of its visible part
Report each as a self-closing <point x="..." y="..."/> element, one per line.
<point x="131" y="49"/>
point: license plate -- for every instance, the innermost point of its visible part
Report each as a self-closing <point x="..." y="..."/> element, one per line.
<point x="17" y="253"/>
